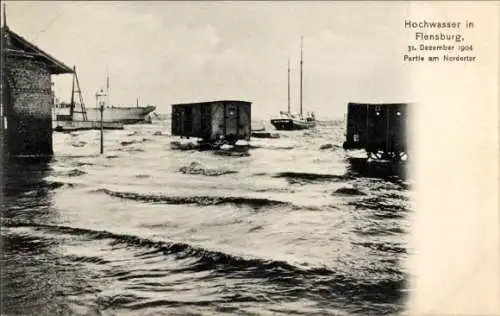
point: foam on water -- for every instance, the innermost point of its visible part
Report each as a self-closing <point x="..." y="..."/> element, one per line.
<point x="288" y="227"/>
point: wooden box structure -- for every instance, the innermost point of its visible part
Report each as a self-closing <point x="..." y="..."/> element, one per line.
<point x="227" y="120"/>
<point x="379" y="129"/>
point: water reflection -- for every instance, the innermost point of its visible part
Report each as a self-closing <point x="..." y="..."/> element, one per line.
<point x="378" y="232"/>
<point x="29" y="274"/>
<point x="397" y="171"/>
<point x="26" y="192"/>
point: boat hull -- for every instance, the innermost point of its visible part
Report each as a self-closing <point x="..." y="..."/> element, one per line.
<point x="124" y="115"/>
<point x="264" y="134"/>
<point x="288" y="124"/>
<point x="70" y="126"/>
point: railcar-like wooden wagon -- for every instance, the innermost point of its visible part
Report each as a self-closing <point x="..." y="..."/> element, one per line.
<point x="213" y="122"/>
<point x="379" y="129"/>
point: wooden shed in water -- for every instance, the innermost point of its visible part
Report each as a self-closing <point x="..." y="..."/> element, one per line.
<point x="213" y="121"/>
<point x="27" y="97"/>
<point x="379" y="129"/>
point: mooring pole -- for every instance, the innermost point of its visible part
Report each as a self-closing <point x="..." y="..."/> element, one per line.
<point x="100" y="104"/>
<point x="102" y="129"/>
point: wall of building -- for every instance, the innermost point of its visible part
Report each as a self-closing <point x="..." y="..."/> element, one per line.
<point x="245" y="121"/>
<point x="29" y="107"/>
<point x="219" y="121"/>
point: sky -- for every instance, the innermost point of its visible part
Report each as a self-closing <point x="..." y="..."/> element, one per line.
<point x="171" y="52"/>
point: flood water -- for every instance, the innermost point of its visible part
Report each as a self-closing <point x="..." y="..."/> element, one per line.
<point x="285" y="228"/>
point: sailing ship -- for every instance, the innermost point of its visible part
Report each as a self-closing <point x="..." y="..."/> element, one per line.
<point x="288" y="120"/>
<point x="113" y="114"/>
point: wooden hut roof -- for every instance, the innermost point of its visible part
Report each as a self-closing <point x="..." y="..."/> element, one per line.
<point x="212" y="102"/>
<point x="14" y="44"/>
<point x="379" y="104"/>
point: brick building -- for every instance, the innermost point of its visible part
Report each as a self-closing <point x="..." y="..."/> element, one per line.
<point x="27" y="97"/>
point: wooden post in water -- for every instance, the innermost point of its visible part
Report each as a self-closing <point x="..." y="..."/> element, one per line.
<point x="102" y="129"/>
<point x="3" y="103"/>
<point x="100" y="104"/>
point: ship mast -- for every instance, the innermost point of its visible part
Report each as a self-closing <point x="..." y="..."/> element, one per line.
<point x="4" y="16"/>
<point x="301" y="63"/>
<point x="72" y="104"/>
<point x="288" y="85"/>
<point x="3" y="102"/>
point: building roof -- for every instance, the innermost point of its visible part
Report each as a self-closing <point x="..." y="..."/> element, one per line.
<point x="380" y="104"/>
<point x="15" y="44"/>
<point x="213" y="102"/>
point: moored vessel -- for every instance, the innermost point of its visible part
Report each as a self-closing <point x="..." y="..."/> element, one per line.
<point x="111" y="113"/>
<point x="289" y="121"/>
<point x="124" y="115"/>
<point x="67" y="117"/>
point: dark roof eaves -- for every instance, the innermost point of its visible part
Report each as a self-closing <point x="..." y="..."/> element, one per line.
<point x="58" y="67"/>
<point x="211" y="102"/>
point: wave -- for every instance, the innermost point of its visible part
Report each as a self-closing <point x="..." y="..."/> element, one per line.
<point x="207" y="259"/>
<point x="329" y="146"/>
<point x="79" y="144"/>
<point x="84" y="259"/>
<point x="232" y="153"/>
<point x="129" y="149"/>
<point x="349" y="191"/>
<point x="76" y="172"/>
<point x="255" y="203"/>
<point x="82" y="163"/>
<point x="289" y="280"/>
<point x="383" y="247"/>
<point x="394" y="196"/>
<point x="270" y="146"/>
<point x="176" y="145"/>
<point x="40" y="188"/>
<point x="380" y="231"/>
<point x="378" y="204"/>
<point x="128" y="142"/>
<point x="196" y="168"/>
<point x="306" y="177"/>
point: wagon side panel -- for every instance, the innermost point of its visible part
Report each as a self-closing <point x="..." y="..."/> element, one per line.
<point x="205" y="121"/>
<point x="245" y="121"/>
<point x="231" y="120"/>
<point x="356" y="126"/>
<point x="377" y="136"/>
<point x="196" y="121"/>
<point x="397" y="130"/>
<point x="217" y="116"/>
<point x="177" y="120"/>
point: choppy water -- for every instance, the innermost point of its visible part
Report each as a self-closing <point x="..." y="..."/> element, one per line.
<point x="286" y="228"/>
